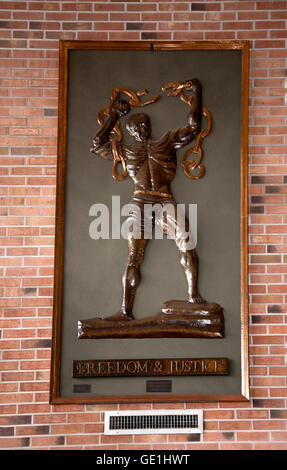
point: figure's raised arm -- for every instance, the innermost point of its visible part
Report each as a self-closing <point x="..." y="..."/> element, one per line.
<point x="184" y="136"/>
<point x="101" y="142"/>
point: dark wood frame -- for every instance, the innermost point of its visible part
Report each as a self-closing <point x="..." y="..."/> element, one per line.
<point x="64" y="48"/>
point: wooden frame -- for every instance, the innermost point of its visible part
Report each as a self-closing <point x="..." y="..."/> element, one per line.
<point x="65" y="47"/>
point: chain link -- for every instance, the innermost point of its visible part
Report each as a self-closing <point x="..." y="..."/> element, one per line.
<point x="190" y="165"/>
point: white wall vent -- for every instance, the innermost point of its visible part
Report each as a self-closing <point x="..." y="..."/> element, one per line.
<point x="154" y="422"/>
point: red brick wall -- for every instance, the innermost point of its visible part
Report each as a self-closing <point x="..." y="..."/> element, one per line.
<point x="29" y="34"/>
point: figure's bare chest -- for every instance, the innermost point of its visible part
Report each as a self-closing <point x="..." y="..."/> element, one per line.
<point x="138" y="152"/>
<point x="147" y="153"/>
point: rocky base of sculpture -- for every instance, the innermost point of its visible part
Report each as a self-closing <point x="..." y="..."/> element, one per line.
<point x="176" y="319"/>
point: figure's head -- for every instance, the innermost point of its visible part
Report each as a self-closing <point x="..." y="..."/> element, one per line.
<point x="139" y="126"/>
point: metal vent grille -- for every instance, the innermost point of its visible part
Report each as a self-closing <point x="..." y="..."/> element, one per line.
<point x="159" y="422"/>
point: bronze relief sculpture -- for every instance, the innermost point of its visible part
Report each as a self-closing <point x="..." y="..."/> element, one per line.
<point x="151" y="164"/>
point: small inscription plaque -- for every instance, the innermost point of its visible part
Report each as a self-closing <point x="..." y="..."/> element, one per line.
<point x="159" y="386"/>
<point x="79" y="388"/>
<point x="149" y="367"/>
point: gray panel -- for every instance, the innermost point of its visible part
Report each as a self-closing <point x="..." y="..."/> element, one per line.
<point x="93" y="269"/>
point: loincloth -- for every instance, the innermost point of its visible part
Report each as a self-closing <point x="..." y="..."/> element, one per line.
<point x="157" y="216"/>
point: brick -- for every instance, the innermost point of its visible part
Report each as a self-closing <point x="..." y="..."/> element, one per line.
<point x="15" y="420"/>
<point x="20" y="376"/>
<point x="126" y="438"/>
<point x="14" y="442"/>
<point x="268" y="446"/>
<point x="49" y="418"/>
<point x="173" y="7"/>
<point x="18" y="312"/>
<point x="273" y="5"/>
<point x="18" y="333"/>
<point x="94" y="428"/>
<point x="84" y="417"/>
<point x="270" y="24"/>
<point x="270" y="360"/>
<point x="279" y="371"/>
<point x="278" y="414"/>
<point x="34" y="387"/>
<point x="234" y="425"/>
<point x="130" y="7"/>
<point x="31" y="430"/>
<point x="154" y="36"/>
<point x="278" y="392"/>
<point x="239" y="5"/>
<point x="217" y="436"/>
<point x="278" y="350"/>
<point x="67" y="429"/>
<point x="34" y="408"/>
<point x="5" y="410"/>
<point x="8" y="387"/>
<point x="188" y="36"/>
<point x="47" y="441"/>
<point x="34" y="365"/>
<point x="256" y="436"/>
<point x="236" y="446"/>
<point x="206" y="25"/>
<point x="279" y="436"/>
<point x="277" y="289"/>
<point x="83" y="439"/>
<point x="235" y="25"/>
<point x="252" y="414"/>
<point x="16" y="398"/>
<point x="266" y="259"/>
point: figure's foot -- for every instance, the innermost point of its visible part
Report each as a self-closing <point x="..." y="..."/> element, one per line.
<point x="120" y="316"/>
<point x="196" y="299"/>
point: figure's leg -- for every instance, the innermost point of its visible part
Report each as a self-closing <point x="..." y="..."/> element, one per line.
<point x="178" y="229"/>
<point x="189" y="262"/>
<point x="131" y="278"/>
<point x="136" y="248"/>
<point x="132" y="275"/>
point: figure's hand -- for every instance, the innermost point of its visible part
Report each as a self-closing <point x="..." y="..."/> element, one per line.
<point x="191" y="85"/>
<point x="178" y="88"/>
<point x="96" y="144"/>
<point x="122" y="106"/>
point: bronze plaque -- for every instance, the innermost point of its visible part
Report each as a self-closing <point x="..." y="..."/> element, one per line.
<point x="159" y="386"/>
<point x="162" y="306"/>
<point x="149" y="367"/>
